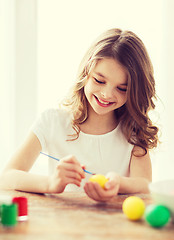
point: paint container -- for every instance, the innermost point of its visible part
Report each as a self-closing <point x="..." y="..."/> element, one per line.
<point x="4" y="199"/>
<point x="9" y="214"/>
<point x="22" y="204"/>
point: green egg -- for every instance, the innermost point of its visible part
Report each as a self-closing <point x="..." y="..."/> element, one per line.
<point x="157" y="215"/>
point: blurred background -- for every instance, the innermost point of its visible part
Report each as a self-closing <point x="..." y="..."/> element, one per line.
<point x="41" y="45"/>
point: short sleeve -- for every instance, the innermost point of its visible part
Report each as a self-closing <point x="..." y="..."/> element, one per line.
<point x="41" y="128"/>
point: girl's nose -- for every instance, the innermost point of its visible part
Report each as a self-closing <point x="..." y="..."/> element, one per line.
<point x="107" y="93"/>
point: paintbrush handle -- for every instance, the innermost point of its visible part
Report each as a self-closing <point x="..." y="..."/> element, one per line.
<point x="50" y="156"/>
<point x="59" y="160"/>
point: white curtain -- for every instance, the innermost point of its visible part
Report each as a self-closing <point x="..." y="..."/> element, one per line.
<point x="18" y="83"/>
<point x="7" y="78"/>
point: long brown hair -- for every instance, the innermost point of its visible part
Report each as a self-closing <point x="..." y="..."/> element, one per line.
<point x="128" y="50"/>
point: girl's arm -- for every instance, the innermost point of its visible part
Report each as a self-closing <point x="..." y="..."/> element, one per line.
<point x="16" y="176"/>
<point x="140" y="174"/>
<point x="139" y="178"/>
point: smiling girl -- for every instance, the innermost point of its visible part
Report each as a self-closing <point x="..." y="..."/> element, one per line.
<point x="103" y="126"/>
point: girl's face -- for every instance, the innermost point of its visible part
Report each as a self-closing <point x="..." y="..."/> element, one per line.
<point x="106" y="86"/>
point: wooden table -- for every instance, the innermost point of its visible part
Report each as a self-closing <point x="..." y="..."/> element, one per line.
<point x="70" y="216"/>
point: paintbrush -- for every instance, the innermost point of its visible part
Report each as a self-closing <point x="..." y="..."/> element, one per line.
<point x="59" y="160"/>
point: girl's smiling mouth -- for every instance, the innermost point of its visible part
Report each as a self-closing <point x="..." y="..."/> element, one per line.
<point x="103" y="103"/>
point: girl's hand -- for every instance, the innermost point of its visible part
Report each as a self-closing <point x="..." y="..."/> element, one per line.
<point x="111" y="188"/>
<point x="67" y="171"/>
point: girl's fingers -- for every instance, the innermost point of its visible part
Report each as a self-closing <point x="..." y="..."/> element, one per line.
<point x="68" y="180"/>
<point x="97" y="193"/>
<point x="113" y="177"/>
<point x="102" y="194"/>
<point x="71" y="164"/>
<point x="70" y="159"/>
<point x="73" y="174"/>
<point x="107" y="193"/>
<point x="68" y="171"/>
<point x="77" y="170"/>
<point x="71" y="169"/>
<point x="73" y="181"/>
<point x="90" y="191"/>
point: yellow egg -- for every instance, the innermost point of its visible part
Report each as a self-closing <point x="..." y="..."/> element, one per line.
<point x="100" y="179"/>
<point x="133" y="207"/>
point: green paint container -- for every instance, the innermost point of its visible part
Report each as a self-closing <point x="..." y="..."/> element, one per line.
<point x="9" y="213"/>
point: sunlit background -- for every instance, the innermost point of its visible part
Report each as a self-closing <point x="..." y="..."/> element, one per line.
<point x="41" y="45"/>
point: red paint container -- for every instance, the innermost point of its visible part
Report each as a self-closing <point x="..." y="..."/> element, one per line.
<point x="22" y="207"/>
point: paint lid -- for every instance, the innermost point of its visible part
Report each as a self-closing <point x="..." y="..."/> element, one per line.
<point x="5" y="199"/>
<point x="9" y="214"/>
<point x="22" y="207"/>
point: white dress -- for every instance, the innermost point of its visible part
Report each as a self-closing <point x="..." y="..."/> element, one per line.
<point x="99" y="153"/>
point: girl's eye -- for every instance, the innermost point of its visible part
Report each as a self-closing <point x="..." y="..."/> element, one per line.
<point x="122" y="89"/>
<point x="100" y="82"/>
